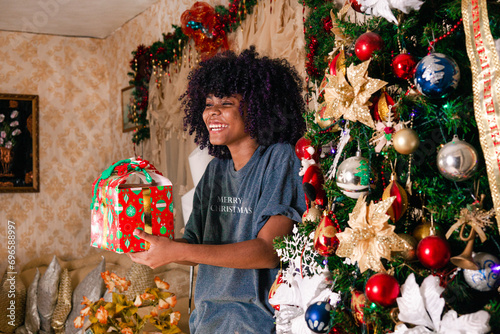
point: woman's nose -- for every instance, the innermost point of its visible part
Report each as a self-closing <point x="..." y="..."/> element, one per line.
<point x="215" y="110"/>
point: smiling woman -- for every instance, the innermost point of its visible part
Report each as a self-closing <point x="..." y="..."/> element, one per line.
<point x="225" y="123"/>
<point x="248" y="112"/>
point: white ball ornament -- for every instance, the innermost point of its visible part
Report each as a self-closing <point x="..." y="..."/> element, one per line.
<point x="487" y="277"/>
<point x="457" y="160"/>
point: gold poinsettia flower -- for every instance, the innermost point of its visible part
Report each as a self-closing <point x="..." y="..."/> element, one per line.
<point x="370" y="237"/>
<point x="349" y="97"/>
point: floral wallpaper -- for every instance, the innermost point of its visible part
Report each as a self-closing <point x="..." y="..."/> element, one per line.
<point x="79" y="82"/>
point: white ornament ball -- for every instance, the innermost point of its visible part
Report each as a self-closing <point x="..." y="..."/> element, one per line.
<point x="457" y="160"/>
<point x="486" y="278"/>
<point x="352" y="176"/>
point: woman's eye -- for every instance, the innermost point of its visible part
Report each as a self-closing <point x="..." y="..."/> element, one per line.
<point x="208" y="105"/>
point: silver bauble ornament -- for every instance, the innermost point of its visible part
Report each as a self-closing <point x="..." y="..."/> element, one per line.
<point x="353" y="176"/>
<point x="486" y="278"/>
<point x="457" y="160"/>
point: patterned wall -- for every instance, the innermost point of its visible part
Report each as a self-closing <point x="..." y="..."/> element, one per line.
<point x="78" y="81"/>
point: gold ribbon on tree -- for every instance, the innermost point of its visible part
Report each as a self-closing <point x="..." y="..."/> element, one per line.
<point x="476" y="218"/>
<point x="485" y="67"/>
<point x="370" y="237"/>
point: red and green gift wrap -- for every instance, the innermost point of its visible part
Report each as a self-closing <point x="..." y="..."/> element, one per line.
<point x="118" y="207"/>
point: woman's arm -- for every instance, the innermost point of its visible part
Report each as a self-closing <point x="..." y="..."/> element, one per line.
<point x="257" y="253"/>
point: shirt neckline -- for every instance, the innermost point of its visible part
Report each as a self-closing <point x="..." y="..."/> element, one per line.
<point x="248" y="166"/>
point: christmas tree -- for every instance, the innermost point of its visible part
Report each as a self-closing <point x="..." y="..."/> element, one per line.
<point x="400" y="172"/>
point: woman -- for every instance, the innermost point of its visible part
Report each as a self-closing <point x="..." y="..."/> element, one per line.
<point x="248" y="112"/>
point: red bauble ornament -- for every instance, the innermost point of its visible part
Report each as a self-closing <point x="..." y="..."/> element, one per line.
<point x="356" y="6"/>
<point x="366" y="44"/>
<point x="433" y="252"/>
<point x="325" y="239"/>
<point x="382" y="289"/>
<point x="277" y="282"/>
<point x="403" y="66"/>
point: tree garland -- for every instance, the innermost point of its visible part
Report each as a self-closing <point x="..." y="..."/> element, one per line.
<point x="166" y="52"/>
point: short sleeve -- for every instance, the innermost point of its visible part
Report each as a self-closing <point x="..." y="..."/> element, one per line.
<point x="281" y="192"/>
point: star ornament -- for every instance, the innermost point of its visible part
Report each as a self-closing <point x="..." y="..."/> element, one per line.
<point x="369" y="237"/>
<point x="349" y="97"/>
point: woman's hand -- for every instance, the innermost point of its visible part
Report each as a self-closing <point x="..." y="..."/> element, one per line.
<point x="161" y="251"/>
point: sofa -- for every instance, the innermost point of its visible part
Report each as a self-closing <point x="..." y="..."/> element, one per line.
<point x="178" y="276"/>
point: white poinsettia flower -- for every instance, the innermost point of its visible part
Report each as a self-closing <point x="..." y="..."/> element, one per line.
<point x="16" y="132"/>
<point x="422" y="307"/>
<point x="14" y="124"/>
<point x="14" y="114"/>
<point x="3" y="134"/>
<point x="296" y="295"/>
<point x="8" y="144"/>
<point x="384" y="8"/>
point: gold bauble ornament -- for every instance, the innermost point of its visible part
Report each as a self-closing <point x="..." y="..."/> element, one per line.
<point x="426" y="229"/>
<point x="311" y="215"/>
<point x="405" y="141"/>
<point x="410" y="253"/>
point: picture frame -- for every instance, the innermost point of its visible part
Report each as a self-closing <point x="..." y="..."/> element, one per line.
<point x="19" y="159"/>
<point x="127" y="116"/>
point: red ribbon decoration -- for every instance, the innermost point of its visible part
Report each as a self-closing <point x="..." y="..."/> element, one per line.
<point x="207" y="44"/>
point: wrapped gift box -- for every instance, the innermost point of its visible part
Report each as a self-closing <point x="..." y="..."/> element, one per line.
<point x="119" y="207"/>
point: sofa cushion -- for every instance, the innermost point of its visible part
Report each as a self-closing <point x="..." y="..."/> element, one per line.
<point x="32" y="319"/>
<point x="13" y="301"/>
<point x="63" y="305"/>
<point x="47" y="294"/>
<point x="92" y="287"/>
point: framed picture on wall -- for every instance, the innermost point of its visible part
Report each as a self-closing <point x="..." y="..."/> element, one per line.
<point x="19" y="143"/>
<point x="127" y="112"/>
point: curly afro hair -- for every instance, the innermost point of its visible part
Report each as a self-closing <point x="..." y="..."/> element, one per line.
<point x="271" y="91"/>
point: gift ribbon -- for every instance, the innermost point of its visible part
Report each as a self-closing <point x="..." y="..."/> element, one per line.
<point x="139" y="165"/>
<point x="485" y="67"/>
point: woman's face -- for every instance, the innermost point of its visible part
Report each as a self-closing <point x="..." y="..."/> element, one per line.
<point x="224" y="122"/>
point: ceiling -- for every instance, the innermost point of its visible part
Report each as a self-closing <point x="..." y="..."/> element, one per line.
<point x="88" y="18"/>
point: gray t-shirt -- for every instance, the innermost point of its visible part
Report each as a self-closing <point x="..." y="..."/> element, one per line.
<point x="231" y="206"/>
